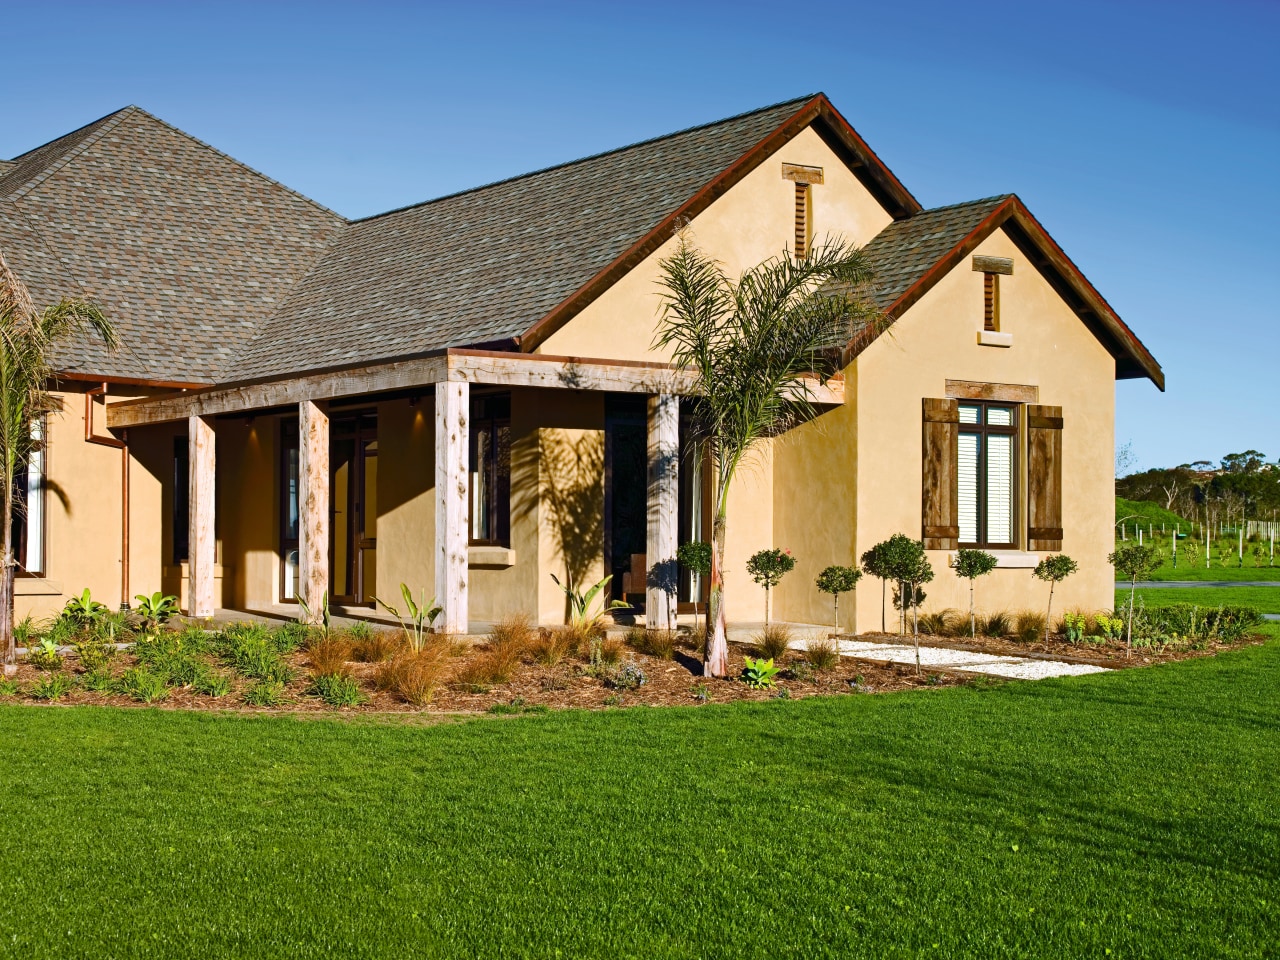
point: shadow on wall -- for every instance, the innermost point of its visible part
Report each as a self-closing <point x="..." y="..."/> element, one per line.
<point x="564" y="481"/>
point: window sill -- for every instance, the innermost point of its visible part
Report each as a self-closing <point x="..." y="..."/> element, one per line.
<point x="36" y="587"/>
<point x="1009" y="559"/>
<point x="989" y="338"/>
<point x="495" y="557"/>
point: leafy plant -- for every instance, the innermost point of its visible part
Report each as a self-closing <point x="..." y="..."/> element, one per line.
<point x="94" y="653"/>
<point x="252" y="653"/>
<point x="759" y="674"/>
<point x="23" y="631"/>
<point x="582" y="605"/>
<point x="1074" y="626"/>
<point x="144" y="685"/>
<point x="9" y="688"/>
<point x="265" y="693"/>
<point x="211" y="683"/>
<point x="417" y="619"/>
<point x="1134" y="562"/>
<point x="695" y="556"/>
<point x="972" y="564"/>
<point x="44" y="655"/>
<point x="337" y="689"/>
<point x="313" y="618"/>
<point x="1112" y="627"/>
<point x="628" y="676"/>
<point x="836" y="580"/>
<point x="767" y="568"/>
<point x="156" y="610"/>
<point x="84" y="610"/>
<point x="53" y="686"/>
<point x="756" y="346"/>
<point x="1053" y="569"/>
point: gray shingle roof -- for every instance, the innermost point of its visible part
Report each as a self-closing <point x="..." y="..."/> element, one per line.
<point x="904" y="251"/>
<point x="487" y="264"/>
<point x="187" y="250"/>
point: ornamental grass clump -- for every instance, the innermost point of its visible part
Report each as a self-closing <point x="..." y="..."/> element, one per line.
<point x="374" y="646"/>
<point x="413" y="675"/>
<point x="822" y="654"/>
<point x="51" y="687"/>
<point x="773" y="642"/>
<point x="144" y="685"/>
<point x="328" y="657"/>
<point x="265" y="693"/>
<point x="653" y="643"/>
<point x="551" y="647"/>
<point x="337" y="689"/>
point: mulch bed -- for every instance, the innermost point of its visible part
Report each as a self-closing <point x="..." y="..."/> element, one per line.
<point x="675" y="682"/>
<point x="1057" y="648"/>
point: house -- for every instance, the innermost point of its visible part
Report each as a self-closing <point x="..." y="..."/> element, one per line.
<point x="464" y="395"/>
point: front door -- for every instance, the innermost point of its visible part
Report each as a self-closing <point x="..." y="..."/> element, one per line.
<point x="353" y="508"/>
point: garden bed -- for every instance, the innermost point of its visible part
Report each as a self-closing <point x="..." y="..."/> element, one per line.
<point x="253" y="667"/>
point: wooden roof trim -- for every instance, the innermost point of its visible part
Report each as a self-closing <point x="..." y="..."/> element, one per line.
<point x="133" y="381"/>
<point x="1045" y="254"/>
<point x="892" y="194"/>
<point x="818" y="108"/>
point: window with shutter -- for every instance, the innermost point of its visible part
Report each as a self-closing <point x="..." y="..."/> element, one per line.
<point x="1044" y="477"/>
<point x="940" y="509"/>
<point x="986" y="474"/>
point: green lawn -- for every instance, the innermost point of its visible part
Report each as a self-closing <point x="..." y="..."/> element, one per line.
<point x="1246" y="574"/>
<point x="1266" y="599"/>
<point x="1132" y="814"/>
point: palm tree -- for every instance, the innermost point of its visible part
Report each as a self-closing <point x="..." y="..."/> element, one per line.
<point x="28" y="337"/>
<point x="755" y="346"/>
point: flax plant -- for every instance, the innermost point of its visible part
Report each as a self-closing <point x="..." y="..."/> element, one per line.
<point x="28" y="338"/>
<point x="757" y="346"/>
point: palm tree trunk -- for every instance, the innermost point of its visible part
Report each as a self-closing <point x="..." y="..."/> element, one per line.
<point x="717" y="659"/>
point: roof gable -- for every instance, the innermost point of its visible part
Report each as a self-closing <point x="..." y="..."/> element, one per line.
<point x="910" y="256"/>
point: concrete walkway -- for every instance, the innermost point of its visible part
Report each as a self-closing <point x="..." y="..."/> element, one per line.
<point x="944" y="658"/>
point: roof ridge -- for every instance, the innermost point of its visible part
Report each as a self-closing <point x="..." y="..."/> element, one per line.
<point x="594" y="156"/>
<point x="239" y="163"/>
<point x="108" y="123"/>
<point x="1001" y="197"/>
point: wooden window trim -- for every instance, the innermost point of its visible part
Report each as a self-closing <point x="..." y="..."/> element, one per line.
<point x="984" y="429"/>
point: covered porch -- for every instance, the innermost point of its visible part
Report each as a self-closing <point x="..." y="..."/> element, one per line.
<point x="390" y="462"/>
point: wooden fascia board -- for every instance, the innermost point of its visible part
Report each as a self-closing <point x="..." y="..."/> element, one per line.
<point x="78" y="377"/>
<point x="1132" y="357"/>
<point x="488" y="367"/>
<point x="817" y="109"/>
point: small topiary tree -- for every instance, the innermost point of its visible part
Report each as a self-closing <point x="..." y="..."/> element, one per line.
<point x="767" y="568"/>
<point x="695" y="556"/>
<point x="972" y="564"/>
<point x="1134" y="562"/>
<point x="904" y="560"/>
<point x="1053" y="570"/>
<point x="836" y="580"/>
<point x="873" y="564"/>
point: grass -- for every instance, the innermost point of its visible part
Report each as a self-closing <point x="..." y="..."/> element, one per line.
<point x="1246" y="574"/>
<point x="1131" y="814"/>
<point x="1266" y="599"/>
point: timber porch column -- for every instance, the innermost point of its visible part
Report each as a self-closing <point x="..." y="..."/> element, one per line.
<point x="453" y="441"/>
<point x="313" y="504"/>
<point x="202" y="548"/>
<point x="663" y="508"/>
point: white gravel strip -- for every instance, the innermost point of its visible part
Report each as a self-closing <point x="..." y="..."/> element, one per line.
<point x="943" y="658"/>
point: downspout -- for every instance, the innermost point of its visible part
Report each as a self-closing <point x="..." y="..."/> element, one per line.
<point x="121" y="444"/>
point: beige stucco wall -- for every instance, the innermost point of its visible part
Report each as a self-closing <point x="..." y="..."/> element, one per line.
<point x="936" y="340"/>
<point x="751" y="222"/>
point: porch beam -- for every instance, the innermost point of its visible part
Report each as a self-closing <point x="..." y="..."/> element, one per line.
<point x="489" y="367"/>
<point x="313" y="504"/>
<point x="662" y="508"/>
<point x="202" y="547"/>
<point x="453" y="442"/>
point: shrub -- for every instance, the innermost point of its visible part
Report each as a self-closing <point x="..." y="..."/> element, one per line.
<point x="211" y="683"/>
<point x="360" y="630"/>
<point x="822" y="654"/>
<point x="552" y="646"/>
<point x="329" y="657"/>
<point x="144" y="685"/>
<point x="1110" y="627"/>
<point x="290" y="636"/>
<point x="94" y="653"/>
<point x="653" y="643"/>
<point x="265" y="693"/>
<point x="413" y="676"/>
<point x="373" y="646"/>
<point x="774" y="642"/>
<point x="802" y="670"/>
<point x="1029" y="625"/>
<point x="337" y="689"/>
<point x="175" y="657"/>
<point x="249" y="649"/>
<point x="53" y="686"/>
<point x="1183" y="623"/>
<point x="1075" y="627"/>
<point x="759" y="674"/>
<point x="44" y="655"/>
<point x="628" y="676"/>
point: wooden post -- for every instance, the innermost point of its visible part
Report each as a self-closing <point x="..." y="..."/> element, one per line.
<point x="663" y="506"/>
<point x="453" y="440"/>
<point x="202" y="548"/>
<point x="313" y="505"/>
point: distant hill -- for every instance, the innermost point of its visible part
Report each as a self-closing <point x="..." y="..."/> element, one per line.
<point x="1146" y="512"/>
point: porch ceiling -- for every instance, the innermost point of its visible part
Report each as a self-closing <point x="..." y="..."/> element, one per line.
<point x="458" y="365"/>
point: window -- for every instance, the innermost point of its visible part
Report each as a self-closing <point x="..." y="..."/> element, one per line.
<point x="491" y="470"/>
<point x="987" y="474"/>
<point x="181" y="499"/>
<point x="28" y="513"/>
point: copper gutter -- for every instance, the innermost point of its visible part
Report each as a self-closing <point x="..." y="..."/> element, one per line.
<point x="121" y="444"/>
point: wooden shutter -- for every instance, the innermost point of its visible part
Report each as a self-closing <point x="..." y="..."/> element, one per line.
<point x="1044" y="477"/>
<point x="940" y="505"/>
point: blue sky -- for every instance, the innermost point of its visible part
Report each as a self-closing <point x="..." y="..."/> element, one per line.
<point x="1144" y="136"/>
